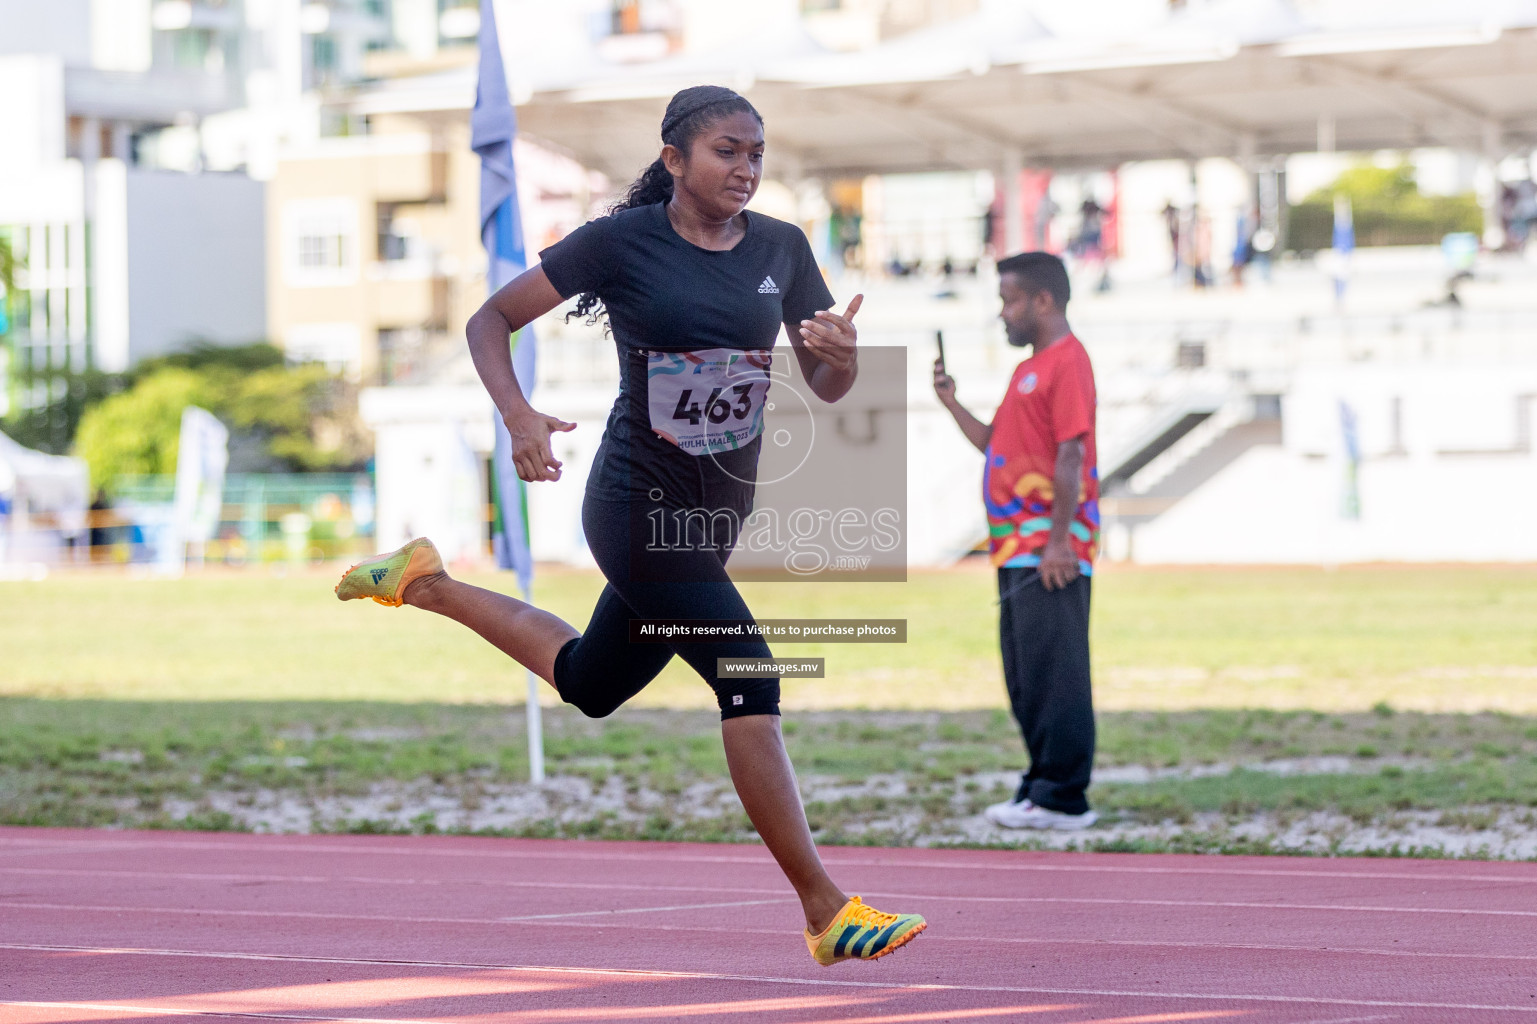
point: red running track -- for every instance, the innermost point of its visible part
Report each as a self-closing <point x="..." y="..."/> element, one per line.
<point x="156" y="926"/>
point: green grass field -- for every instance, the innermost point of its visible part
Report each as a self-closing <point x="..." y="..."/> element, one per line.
<point x="1240" y="710"/>
<point x="1429" y="639"/>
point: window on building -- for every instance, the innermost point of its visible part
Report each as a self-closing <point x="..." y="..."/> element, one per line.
<point x="636" y="31"/>
<point x="626" y="17"/>
<point x="191" y="49"/>
<point x="324" y="62"/>
<point x="326" y="249"/>
<point x="458" y="22"/>
<point x="636" y="17"/>
<point x="404" y="234"/>
<point x="338" y="345"/>
<point x="320" y="241"/>
<point x="401" y="352"/>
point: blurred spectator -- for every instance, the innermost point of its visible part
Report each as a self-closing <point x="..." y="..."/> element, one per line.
<point x="1460" y="250"/>
<point x="1198" y="253"/>
<point x="1171" y="222"/>
<point x="1089" y="244"/>
<point x="1344" y="245"/>
<point x="1046" y="211"/>
<point x="1243" y="248"/>
<point x="846" y="234"/>
<point x="1262" y="246"/>
<point x="102" y="534"/>
<point x="1506" y="210"/>
<point x="1523" y="216"/>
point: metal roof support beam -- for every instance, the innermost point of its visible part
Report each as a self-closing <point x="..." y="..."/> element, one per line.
<point x="1493" y="152"/>
<point x="1153" y="113"/>
<point x="1393" y="89"/>
<point x="945" y="125"/>
<point x="1013" y="200"/>
<point x="947" y="120"/>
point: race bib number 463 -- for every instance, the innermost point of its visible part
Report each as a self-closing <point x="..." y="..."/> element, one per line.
<point x="708" y="400"/>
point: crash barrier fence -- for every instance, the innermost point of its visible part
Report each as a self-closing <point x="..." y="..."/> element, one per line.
<point x="262" y="518"/>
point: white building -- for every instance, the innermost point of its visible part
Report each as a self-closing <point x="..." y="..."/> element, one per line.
<point x="117" y="259"/>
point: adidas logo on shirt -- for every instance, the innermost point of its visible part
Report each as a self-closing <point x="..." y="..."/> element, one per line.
<point x="768" y="287"/>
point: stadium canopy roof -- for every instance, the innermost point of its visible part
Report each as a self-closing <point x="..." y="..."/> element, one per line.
<point x="1240" y="78"/>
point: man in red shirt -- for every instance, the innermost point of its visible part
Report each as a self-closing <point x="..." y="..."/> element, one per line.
<point x="1041" y="489"/>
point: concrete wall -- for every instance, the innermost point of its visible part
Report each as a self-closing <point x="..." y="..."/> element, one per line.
<point x="430" y="450"/>
<point x="32" y="115"/>
<point x="111" y="34"/>
<point x="1447" y="473"/>
<point x="58" y="27"/>
<point x="196" y="260"/>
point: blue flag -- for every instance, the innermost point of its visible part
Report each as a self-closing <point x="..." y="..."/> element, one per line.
<point x="493" y="126"/>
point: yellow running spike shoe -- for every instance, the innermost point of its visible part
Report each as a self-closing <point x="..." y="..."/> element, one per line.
<point x="862" y="933"/>
<point x="385" y="577"/>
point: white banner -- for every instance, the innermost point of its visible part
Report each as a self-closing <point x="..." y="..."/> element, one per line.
<point x="201" y="459"/>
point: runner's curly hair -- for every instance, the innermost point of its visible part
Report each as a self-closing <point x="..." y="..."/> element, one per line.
<point x="688" y="114"/>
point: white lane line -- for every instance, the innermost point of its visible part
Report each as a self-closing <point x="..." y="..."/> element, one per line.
<point x="138" y="1010"/>
<point x="742" y="890"/>
<point x="423" y="850"/>
<point x="1352" y="1020"/>
<point x="311" y="915"/>
<point x="1345" y="908"/>
<point x="771" y="980"/>
<point x="508" y="883"/>
<point x="1352" y="908"/>
<point x="645" y="910"/>
<point x="1004" y="940"/>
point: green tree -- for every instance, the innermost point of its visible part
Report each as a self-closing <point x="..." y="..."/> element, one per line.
<point x="7" y="266"/>
<point x="1387" y="208"/>
<point x="281" y="418"/>
<point x="139" y="431"/>
<point x="203" y="356"/>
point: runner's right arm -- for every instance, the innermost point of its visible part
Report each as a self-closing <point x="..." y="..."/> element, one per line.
<point x="977" y="432"/>
<point x="521" y="301"/>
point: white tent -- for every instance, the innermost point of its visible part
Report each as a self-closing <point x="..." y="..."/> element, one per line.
<point x="43" y="502"/>
<point x="1016" y="83"/>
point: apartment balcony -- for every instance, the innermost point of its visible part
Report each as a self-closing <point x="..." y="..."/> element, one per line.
<point x="409" y="292"/>
<point x="174" y="15"/>
<point x="152" y="97"/>
<point x="403" y="63"/>
<point x="410" y="176"/>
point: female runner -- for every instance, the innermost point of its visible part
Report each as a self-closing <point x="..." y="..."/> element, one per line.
<point x="695" y="288"/>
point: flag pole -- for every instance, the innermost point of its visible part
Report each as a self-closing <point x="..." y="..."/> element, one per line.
<point x="534" y="715"/>
<point x="493" y="128"/>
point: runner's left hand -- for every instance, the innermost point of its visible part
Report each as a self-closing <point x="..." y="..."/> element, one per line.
<point x="831" y="338"/>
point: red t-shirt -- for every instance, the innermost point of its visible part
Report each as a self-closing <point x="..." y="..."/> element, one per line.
<point x="1050" y="400"/>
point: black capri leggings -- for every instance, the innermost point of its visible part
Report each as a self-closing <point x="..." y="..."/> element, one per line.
<point x="601" y="669"/>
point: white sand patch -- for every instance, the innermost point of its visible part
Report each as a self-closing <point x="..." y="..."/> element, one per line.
<point x="886" y="807"/>
<point x="1510" y="834"/>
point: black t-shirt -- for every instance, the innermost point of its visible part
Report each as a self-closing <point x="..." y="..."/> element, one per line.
<point x="665" y="294"/>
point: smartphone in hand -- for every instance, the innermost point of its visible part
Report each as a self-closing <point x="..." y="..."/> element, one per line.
<point x="939" y="339"/>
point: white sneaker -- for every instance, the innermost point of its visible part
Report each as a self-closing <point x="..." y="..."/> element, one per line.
<point x="1025" y="814"/>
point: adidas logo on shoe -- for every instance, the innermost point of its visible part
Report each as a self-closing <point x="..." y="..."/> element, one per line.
<point x="399" y="569"/>
<point x="768" y="287"/>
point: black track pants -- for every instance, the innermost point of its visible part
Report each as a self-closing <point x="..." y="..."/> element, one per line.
<point x="1045" y="640"/>
<point x="601" y="669"/>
